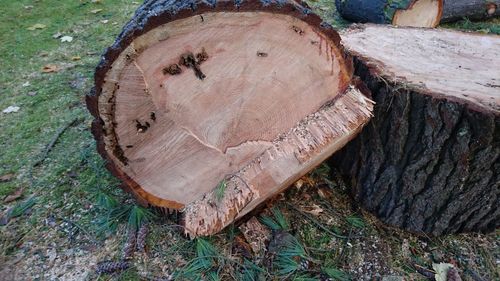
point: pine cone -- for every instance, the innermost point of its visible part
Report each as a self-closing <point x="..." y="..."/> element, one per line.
<point x="304" y="264"/>
<point x="141" y="237"/>
<point x="108" y="267"/>
<point x="129" y="248"/>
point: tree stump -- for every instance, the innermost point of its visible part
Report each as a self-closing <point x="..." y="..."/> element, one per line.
<point x="212" y="107"/>
<point x="417" y="13"/>
<point x="471" y="9"/>
<point x="429" y="159"/>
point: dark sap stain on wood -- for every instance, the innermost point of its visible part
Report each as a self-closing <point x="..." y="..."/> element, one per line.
<point x="262" y="54"/>
<point x="142" y="128"/>
<point x="173" y="69"/>
<point x="298" y="30"/>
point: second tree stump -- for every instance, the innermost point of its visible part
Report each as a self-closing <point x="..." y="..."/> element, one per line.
<point x="429" y="160"/>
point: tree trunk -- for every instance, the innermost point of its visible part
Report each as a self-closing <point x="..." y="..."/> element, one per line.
<point x="429" y="159"/>
<point x="211" y="107"/>
<point x="472" y="9"/>
<point x="419" y="13"/>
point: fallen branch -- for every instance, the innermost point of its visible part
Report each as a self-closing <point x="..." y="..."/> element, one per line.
<point x="49" y="147"/>
<point x="53" y="141"/>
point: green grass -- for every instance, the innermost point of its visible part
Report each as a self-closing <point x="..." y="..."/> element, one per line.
<point x="491" y="26"/>
<point x="72" y="174"/>
<point x="69" y="185"/>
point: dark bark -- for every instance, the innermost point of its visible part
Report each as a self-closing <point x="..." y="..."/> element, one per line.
<point x="473" y="9"/>
<point x="374" y="11"/>
<point x="425" y="164"/>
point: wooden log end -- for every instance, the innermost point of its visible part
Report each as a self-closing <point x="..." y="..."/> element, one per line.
<point x="192" y="95"/>
<point x="417" y="13"/>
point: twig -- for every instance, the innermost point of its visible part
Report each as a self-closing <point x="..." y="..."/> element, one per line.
<point x="53" y="141"/>
<point x="316" y="222"/>
<point x="342" y="251"/>
<point x="424" y="271"/>
<point x="48" y="148"/>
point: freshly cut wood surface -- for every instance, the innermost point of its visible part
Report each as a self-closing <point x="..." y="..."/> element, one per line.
<point x="448" y="64"/>
<point x="421" y="13"/>
<point x="429" y="160"/>
<point x="196" y="97"/>
<point x="417" y="13"/>
<point x="290" y="156"/>
<point x="471" y="9"/>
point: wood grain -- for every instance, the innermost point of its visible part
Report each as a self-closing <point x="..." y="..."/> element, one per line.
<point x="196" y="93"/>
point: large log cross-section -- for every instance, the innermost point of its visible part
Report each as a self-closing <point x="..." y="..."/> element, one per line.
<point x="211" y="107"/>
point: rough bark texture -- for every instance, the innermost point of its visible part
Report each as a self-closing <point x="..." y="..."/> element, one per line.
<point x="472" y="9"/>
<point x="381" y="11"/>
<point x="426" y="162"/>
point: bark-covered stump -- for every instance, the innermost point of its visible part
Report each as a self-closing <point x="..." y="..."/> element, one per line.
<point x="429" y="159"/>
<point x="212" y="107"/>
<point x="472" y="9"/>
<point x="417" y="13"/>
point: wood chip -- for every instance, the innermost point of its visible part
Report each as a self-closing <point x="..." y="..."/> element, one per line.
<point x="257" y="235"/>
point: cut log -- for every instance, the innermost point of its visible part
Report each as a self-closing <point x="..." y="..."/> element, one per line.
<point x="213" y="108"/>
<point x="429" y="159"/>
<point x="417" y="13"/>
<point x="472" y="9"/>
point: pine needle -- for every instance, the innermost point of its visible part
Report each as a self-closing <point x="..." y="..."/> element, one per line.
<point x="206" y="251"/>
<point x="280" y="219"/>
<point x="336" y="274"/>
<point x="250" y="272"/>
<point x="138" y="216"/>
<point x="220" y="190"/>
<point x="278" y="223"/>
<point x="22" y="207"/>
<point x="355" y="222"/>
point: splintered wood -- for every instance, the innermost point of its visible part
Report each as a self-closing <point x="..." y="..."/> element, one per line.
<point x="292" y="155"/>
